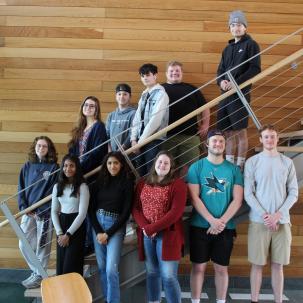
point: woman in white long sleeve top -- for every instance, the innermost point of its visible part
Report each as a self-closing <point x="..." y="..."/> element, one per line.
<point x="70" y="200"/>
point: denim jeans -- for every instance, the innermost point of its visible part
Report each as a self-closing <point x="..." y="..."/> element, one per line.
<point x="157" y="270"/>
<point x="108" y="258"/>
<point x="145" y="160"/>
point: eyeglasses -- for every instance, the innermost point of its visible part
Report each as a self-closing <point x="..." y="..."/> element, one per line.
<point x="89" y="105"/>
<point x="41" y="146"/>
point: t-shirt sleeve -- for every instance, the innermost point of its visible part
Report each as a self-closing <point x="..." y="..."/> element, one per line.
<point x="238" y="176"/>
<point x="200" y="98"/>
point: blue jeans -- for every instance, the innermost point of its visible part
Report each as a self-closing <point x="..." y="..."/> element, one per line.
<point x="157" y="270"/>
<point x="145" y="160"/>
<point x="108" y="258"/>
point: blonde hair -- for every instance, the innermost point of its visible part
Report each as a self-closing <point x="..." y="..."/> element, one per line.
<point x="174" y="63"/>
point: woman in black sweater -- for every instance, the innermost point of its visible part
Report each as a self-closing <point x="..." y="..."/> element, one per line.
<point x="110" y="207"/>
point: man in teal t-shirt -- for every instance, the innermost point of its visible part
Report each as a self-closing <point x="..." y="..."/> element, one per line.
<point x="216" y="189"/>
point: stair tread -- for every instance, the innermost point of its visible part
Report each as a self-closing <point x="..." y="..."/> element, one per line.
<point x="298" y="133"/>
<point x="291" y="149"/>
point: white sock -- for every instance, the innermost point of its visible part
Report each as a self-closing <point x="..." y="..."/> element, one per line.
<point x="241" y="161"/>
<point x="220" y="301"/>
<point x="195" y="300"/>
<point x="230" y="158"/>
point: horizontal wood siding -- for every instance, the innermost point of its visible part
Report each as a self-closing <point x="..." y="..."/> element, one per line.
<point x="55" y="53"/>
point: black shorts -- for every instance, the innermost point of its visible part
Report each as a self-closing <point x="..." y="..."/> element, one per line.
<point x="232" y="114"/>
<point x="204" y="247"/>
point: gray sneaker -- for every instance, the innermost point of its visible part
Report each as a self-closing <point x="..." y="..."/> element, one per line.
<point x="35" y="282"/>
<point x="24" y="282"/>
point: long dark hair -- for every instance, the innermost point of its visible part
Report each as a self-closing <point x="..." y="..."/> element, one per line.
<point x="104" y="176"/>
<point x="51" y="156"/>
<point x="77" y="180"/>
<point x="77" y="132"/>
<point x="152" y="177"/>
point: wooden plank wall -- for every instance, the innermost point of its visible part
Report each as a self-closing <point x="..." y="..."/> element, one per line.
<point x="54" y="53"/>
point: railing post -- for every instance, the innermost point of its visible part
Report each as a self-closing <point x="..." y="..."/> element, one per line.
<point x="21" y="236"/>
<point x="128" y="160"/>
<point x="243" y="100"/>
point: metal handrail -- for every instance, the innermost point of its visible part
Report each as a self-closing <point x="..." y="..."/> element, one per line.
<point x="208" y="105"/>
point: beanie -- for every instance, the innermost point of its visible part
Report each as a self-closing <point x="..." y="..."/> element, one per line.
<point x="237" y="17"/>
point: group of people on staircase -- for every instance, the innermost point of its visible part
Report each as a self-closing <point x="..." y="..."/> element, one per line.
<point x="96" y="209"/>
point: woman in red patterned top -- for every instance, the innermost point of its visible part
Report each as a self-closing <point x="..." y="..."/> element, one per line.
<point x="158" y="208"/>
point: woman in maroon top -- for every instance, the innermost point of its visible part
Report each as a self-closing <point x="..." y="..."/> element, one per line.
<point x="158" y="208"/>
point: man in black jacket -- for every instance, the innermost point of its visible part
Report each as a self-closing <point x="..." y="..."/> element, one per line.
<point x="232" y="116"/>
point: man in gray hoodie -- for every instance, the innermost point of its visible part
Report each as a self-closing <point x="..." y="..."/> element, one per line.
<point x="119" y="121"/>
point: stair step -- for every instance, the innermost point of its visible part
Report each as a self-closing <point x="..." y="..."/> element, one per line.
<point x="239" y="266"/>
<point x="284" y="149"/>
<point x="298" y="133"/>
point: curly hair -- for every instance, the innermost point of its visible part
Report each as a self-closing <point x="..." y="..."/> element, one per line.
<point x="77" y="131"/>
<point x="77" y="180"/>
<point x="104" y="175"/>
<point x="51" y="156"/>
<point x="152" y="177"/>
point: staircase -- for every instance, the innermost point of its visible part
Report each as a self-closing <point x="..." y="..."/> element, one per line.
<point x="286" y="113"/>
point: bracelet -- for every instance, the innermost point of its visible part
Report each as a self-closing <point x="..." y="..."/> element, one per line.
<point x="68" y="234"/>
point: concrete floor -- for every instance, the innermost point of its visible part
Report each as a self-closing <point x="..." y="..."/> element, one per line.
<point x="293" y="289"/>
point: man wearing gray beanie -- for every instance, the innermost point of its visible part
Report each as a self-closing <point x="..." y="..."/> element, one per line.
<point x="232" y="116"/>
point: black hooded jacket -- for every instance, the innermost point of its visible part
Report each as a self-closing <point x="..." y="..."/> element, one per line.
<point x="236" y="53"/>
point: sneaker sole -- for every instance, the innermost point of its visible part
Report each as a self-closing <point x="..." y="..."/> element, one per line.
<point x="24" y="282"/>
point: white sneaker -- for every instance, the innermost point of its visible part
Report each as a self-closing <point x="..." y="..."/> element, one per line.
<point x="35" y="282"/>
<point x="24" y="282"/>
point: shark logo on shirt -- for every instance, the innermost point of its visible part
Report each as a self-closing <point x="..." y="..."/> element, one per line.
<point x="216" y="185"/>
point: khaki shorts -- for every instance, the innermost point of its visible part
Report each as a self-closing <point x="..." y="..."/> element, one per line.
<point x="262" y="241"/>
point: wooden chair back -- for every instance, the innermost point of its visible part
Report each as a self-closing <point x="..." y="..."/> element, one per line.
<point x="68" y="288"/>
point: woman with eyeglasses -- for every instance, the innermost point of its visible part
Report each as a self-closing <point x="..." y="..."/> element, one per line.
<point x="89" y="134"/>
<point x="70" y="199"/>
<point x="110" y="207"/>
<point x="158" y="208"/>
